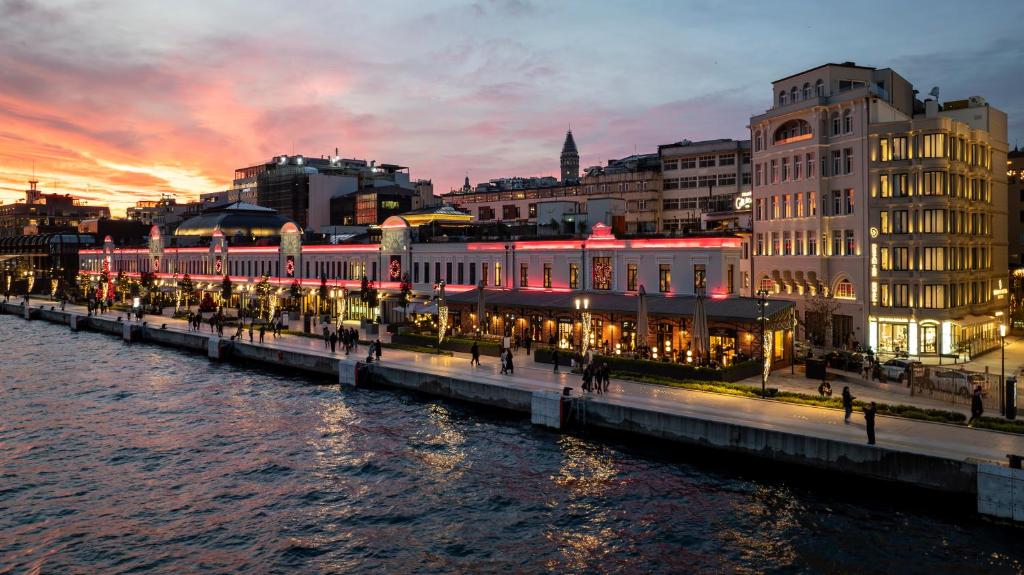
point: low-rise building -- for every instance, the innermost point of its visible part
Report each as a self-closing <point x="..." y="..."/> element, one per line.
<point x="46" y="213"/>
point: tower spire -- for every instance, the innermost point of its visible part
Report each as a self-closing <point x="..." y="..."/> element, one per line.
<point x="570" y="158"/>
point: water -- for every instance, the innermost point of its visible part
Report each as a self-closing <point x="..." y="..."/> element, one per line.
<point x="139" y="459"/>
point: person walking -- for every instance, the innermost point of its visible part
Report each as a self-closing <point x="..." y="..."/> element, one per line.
<point x="474" y="353"/>
<point x="977" y="406"/>
<point x="869" y="419"/>
<point x="263" y="330"/>
<point x="508" y="363"/>
<point x="327" y="337"/>
<point x="586" y="378"/>
<point x="526" y="343"/>
<point x="554" y="358"/>
<point x="501" y="359"/>
<point x="250" y="331"/>
<point x="334" y="342"/>
<point x="847" y="403"/>
<point x="376" y="347"/>
<point x="606" y="374"/>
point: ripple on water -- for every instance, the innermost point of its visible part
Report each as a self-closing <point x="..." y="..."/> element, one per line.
<point x="136" y="459"/>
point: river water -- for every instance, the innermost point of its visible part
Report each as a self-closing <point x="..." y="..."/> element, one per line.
<point x="140" y="459"/>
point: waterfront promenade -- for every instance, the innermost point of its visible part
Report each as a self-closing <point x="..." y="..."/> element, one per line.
<point x="944" y="441"/>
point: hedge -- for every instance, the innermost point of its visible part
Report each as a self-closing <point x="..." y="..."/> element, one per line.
<point x="628" y="368"/>
<point x="460" y="345"/>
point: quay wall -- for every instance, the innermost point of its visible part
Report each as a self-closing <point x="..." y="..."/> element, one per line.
<point x="924" y="471"/>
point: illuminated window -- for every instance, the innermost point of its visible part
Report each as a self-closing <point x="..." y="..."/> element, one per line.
<point x="497" y="275"/>
<point x="602" y="273"/>
<point x="631" y="273"/>
<point x="844" y="290"/>
<point x="664" y="277"/>
<point x="524" y="276"/>
<point x="574" y="276"/>
<point x="766" y="284"/>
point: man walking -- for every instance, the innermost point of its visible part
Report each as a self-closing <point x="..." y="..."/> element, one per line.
<point x="250" y="331"/>
<point x="263" y="330"/>
<point x="334" y="342"/>
<point x="327" y="337"/>
<point x="376" y="352"/>
<point x="474" y="352"/>
<point x="977" y="406"/>
<point x="554" y="358"/>
<point x="526" y="342"/>
<point x="847" y="403"/>
<point x="869" y="419"/>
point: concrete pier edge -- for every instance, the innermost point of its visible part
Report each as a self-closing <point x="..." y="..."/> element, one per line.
<point x="994" y="489"/>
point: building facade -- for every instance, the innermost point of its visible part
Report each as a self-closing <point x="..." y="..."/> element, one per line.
<point x="46" y="213"/>
<point x="879" y="215"/>
<point x="699" y="178"/>
<point x="1015" y="207"/>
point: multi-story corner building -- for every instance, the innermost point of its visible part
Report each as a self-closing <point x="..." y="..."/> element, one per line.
<point x="46" y="213"/>
<point x="1015" y="206"/>
<point x="701" y="177"/>
<point x="879" y="215"/>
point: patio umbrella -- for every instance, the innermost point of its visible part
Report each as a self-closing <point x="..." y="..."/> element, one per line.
<point x="701" y="339"/>
<point x="641" y="318"/>
<point x="480" y="308"/>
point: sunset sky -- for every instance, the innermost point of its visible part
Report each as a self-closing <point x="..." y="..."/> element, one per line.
<point x="122" y="101"/>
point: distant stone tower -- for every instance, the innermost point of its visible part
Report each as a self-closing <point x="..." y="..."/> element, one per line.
<point x="570" y="159"/>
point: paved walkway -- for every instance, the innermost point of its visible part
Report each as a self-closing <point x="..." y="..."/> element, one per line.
<point x="949" y="441"/>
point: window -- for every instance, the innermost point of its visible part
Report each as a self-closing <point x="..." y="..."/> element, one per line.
<point x="729" y="272"/>
<point x="812" y="243"/>
<point x="792" y="94"/>
<point x="775" y="244"/>
<point x="851" y="246"/>
<point x="759" y="209"/>
<point x="810" y="166"/>
<point x="836" y="124"/>
<point x="819" y="88"/>
<point x="774" y="171"/>
<point x="798" y="203"/>
<point x="934" y="221"/>
<point x="933" y="296"/>
<point x="837" y="203"/>
<point x="782" y="98"/>
<point x="524" y="276"/>
<point x="483" y="273"/>
<point x="785" y="206"/>
<point x="933" y="184"/>
<point x="933" y="145"/>
<point x="900" y="295"/>
<point x="670" y="165"/>
<point x="757" y="174"/>
<point x="796" y="167"/>
<point x="727" y="160"/>
<point x="900" y="189"/>
<point x="807" y="91"/>
<point x="706" y="162"/>
<point x="774" y="204"/>
<point x="933" y="259"/>
<point x="574" y="276"/>
<point x="899" y="148"/>
<point x="766" y="284"/>
<point x="631" y="273"/>
<point x="498" y="282"/>
<point x="848" y="201"/>
<point x="664" y="277"/>
<point x="884" y="188"/>
<point x="448" y="272"/>
<point x="759" y="247"/>
<point x="844" y="290"/>
<point x="485" y="213"/>
<point x="900" y="222"/>
<point x="509" y="212"/>
<point x="687" y="163"/>
<point x="812" y="203"/>
<point x="787" y="244"/>
<point x="848" y="122"/>
<point x="700" y="277"/>
<point x="532" y="210"/>
<point x="847" y="160"/>
<point x="472" y="273"/>
<point x="884" y="260"/>
<point x="883" y="223"/>
<point x="757" y="141"/>
<point x="837" y="163"/>
<point x="462" y="277"/>
<point x="602" y="273"/>
<point x="798" y="243"/>
<point x="837" y="243"/>
<point x="900" y="259"/>
<point x="785" y="169"/>
<point x="884" y="151"/>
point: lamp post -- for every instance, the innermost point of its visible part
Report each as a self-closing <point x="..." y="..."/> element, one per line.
<point x="1002" y="369"/>
<point x="583" y="307"/>
<point x="762" y="302"/>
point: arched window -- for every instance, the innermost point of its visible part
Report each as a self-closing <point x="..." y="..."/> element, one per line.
<point x="807" y="91"/>
<point x="836" y="125"/>
<point x="819" y="88"/>
<point x="766" y="284"/>
<point x="790" y="131"/>
<point x="844" y="290"/>
<point x="758" y="142"/>
<point x="782" y="98"/>
<point x="848" y="122"/>
<point x="792" y="94"/>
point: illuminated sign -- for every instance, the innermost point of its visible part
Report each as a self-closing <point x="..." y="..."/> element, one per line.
<point x="874" y="293"/>
<point x="744" y="201"/>
<point x="999" y="292"/>
<point x="874" y="232"/>
<point x="874" y="260"/>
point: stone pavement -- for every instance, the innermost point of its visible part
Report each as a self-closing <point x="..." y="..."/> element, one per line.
<point x="949" y="441"/>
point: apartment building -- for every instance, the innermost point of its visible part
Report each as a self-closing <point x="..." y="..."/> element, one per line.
<point x="701" y="177"/>
<point x="878" y="214"/>
<point x="1015" y="207"/>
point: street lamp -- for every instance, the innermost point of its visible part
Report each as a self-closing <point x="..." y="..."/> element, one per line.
<point x="583" y="307"/>
<point x="1002" y="368"/>
<point x="762" y="302"/>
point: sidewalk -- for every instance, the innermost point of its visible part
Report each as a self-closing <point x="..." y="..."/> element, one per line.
<point x="948" y="441"/>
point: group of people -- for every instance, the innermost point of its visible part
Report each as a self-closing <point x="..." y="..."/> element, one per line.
<point x="98" y="307"/>
<point x="596" y="377"/>
<point x="348" y="338"/>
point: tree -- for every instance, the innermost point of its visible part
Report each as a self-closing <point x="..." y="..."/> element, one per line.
<point x="148" y="282"/>
<point x="323" y="292"/>
<point x="405" y="294"/>
<point x="186" y="288"/>
<point x="83" y="282"/>
<point x="295" y="292"/>
<point x="263" y="290"/>
<point x="818" y="318"/>
<point x="226" y="289"/>
<point x="122" y="284"/>
<point x="368" y="294"/>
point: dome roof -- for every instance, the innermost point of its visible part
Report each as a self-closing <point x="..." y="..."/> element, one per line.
<point x="234" y="219"/>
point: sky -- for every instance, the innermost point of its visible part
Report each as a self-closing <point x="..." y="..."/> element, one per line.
<point x="117" y="102"/>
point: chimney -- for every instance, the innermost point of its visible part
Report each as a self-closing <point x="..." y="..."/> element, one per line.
<point x="931" y="108"/>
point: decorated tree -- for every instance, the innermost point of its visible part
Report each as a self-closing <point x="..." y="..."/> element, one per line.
<point x="263" y="291"/>
<point x="323" y="291"/>
<point x="295" y="292"/>
<point x="122" y="283"/>
<point x="148" y="282"/>
<point x="405" y="294"/>
<point x="226" y="289"/>
<point x="185" y="289"/>
<point x="83" y="281"/>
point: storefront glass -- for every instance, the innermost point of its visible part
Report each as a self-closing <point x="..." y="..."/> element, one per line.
<point x="565" y="334"/>
<point x="929" y="340"/>
<point x="893" y="337"/>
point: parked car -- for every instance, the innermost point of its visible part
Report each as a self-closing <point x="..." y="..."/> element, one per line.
<point x="897" y="369"/>
<point x="958" y="382"/>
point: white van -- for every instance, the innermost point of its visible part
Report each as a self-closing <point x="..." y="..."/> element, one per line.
<point x="958" y="382"/>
